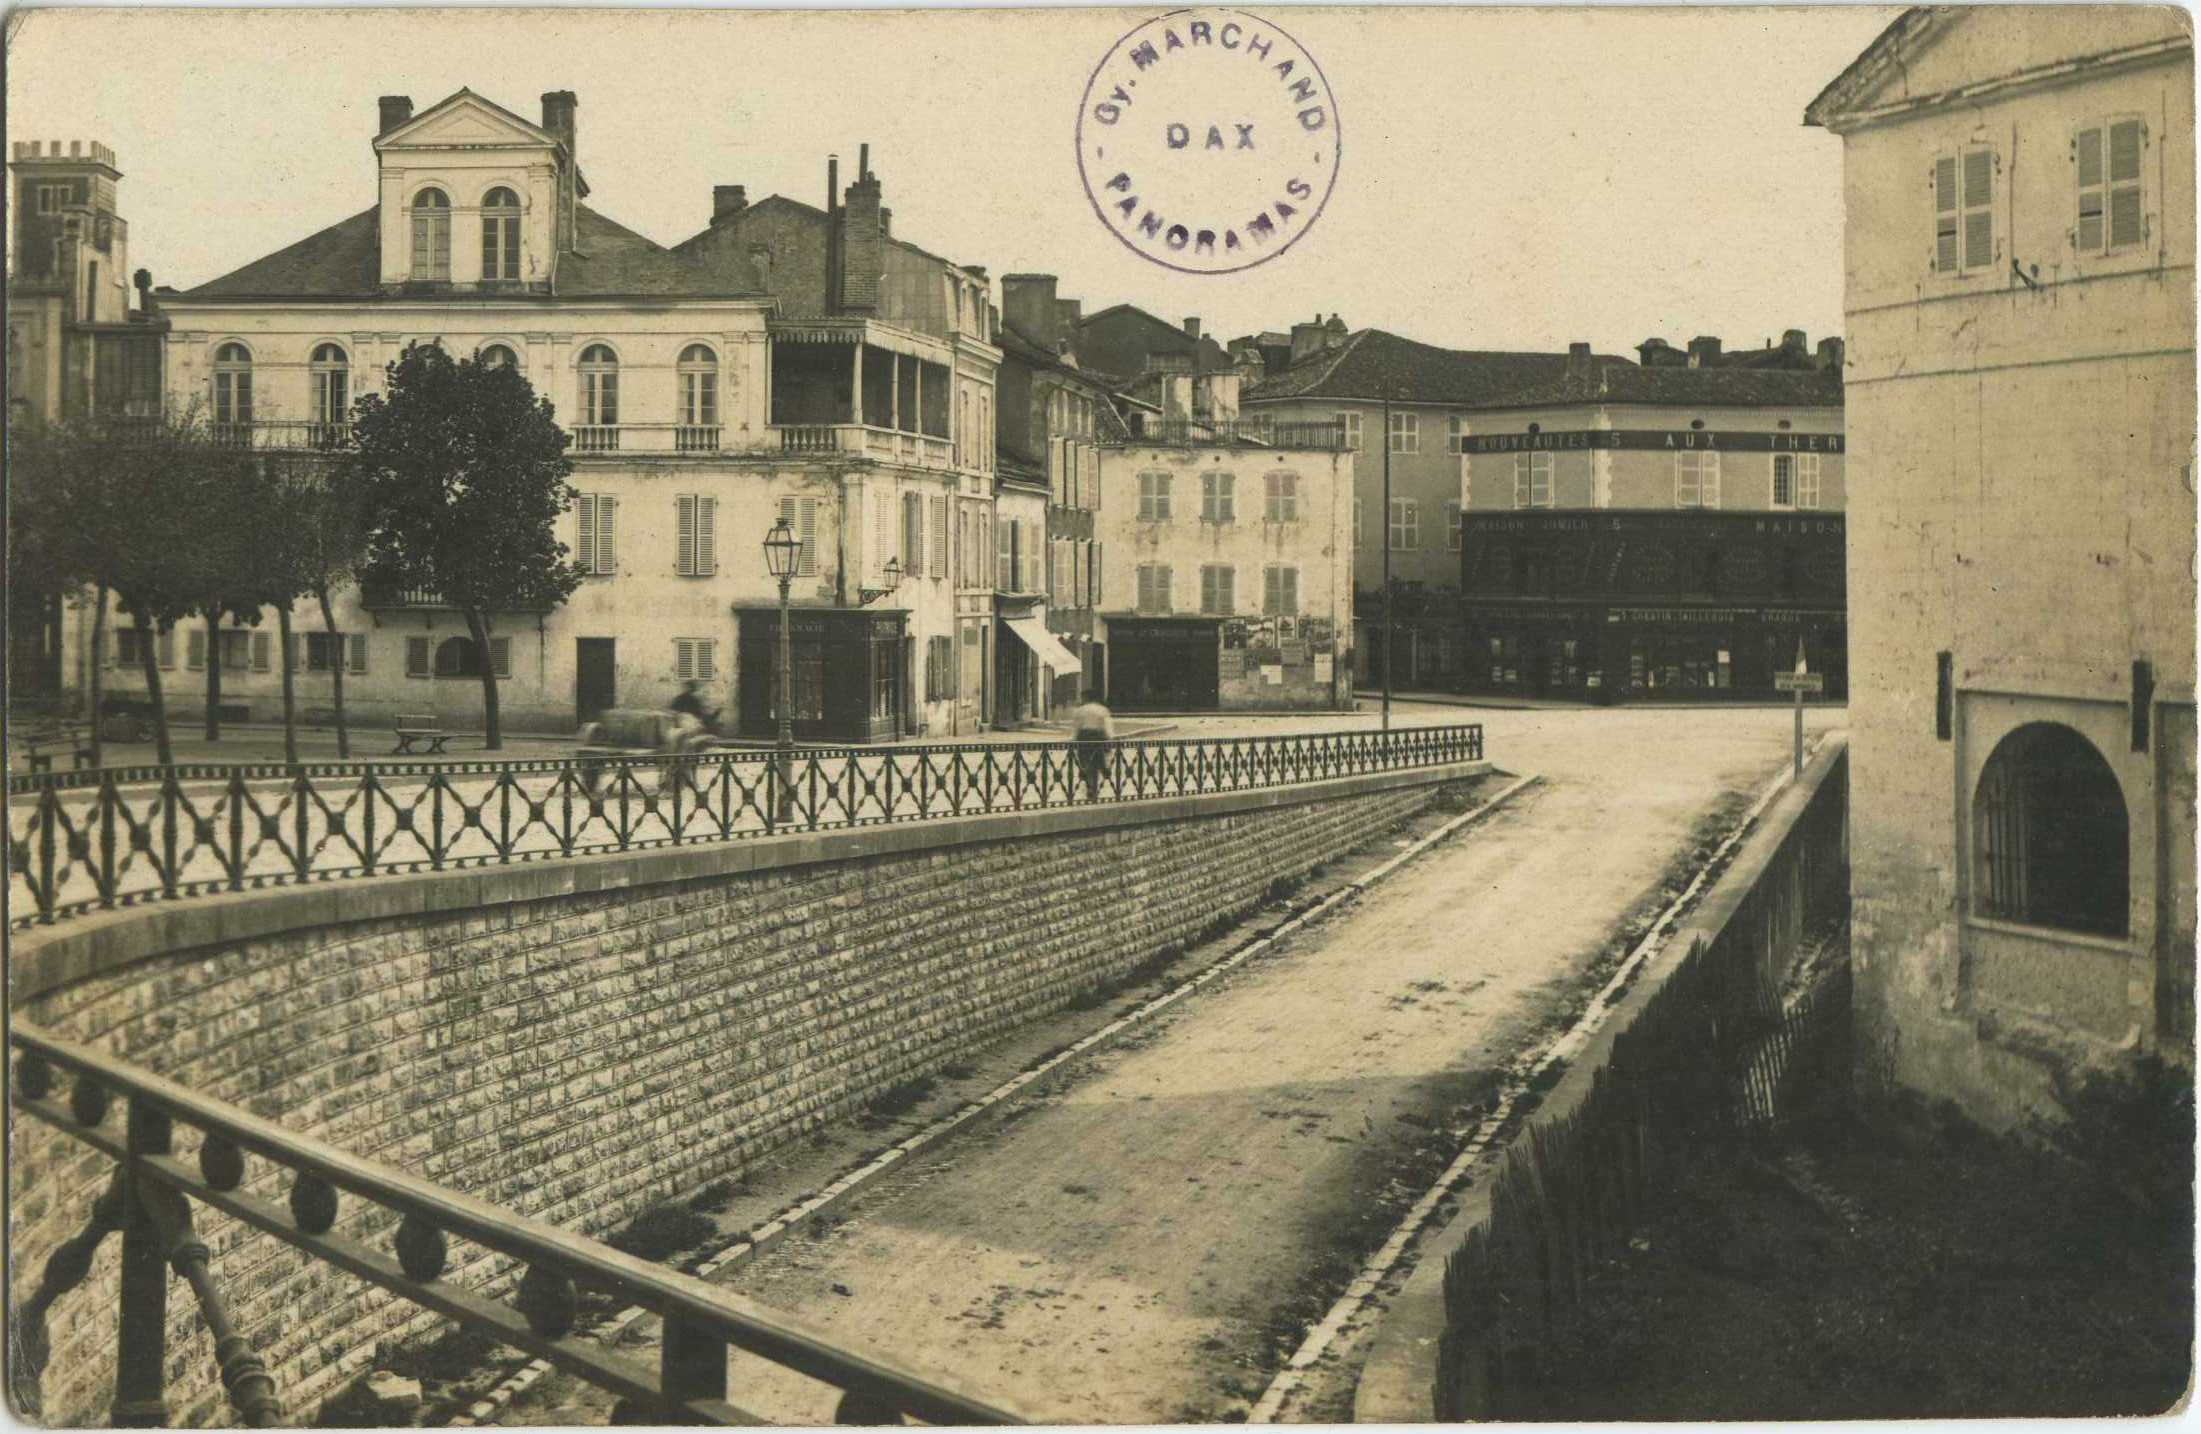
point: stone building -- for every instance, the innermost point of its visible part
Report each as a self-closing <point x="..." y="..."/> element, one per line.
<point x="785" y="361"/>
<point x="1670" y="531"/>
<point x="1353" y="381"/>
<point x="1225" y="570"/>
<point x="1054" y="414"/>
<point x="2018" y="262"/>
<point x="76" y="349"/>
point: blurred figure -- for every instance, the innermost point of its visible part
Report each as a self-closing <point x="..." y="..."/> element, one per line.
<point x="1093" y="734"/>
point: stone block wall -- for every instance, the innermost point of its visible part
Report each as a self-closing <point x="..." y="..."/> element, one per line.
<point x="575" y="1056"/>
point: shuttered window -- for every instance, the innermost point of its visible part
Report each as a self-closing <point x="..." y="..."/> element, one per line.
<point x="1005" y="553"/>
<point x="1154" y="497"/>
<point x="695" y="659"/>
<point x="1154" y="587"/>
<point x="1218" y="500"/>
<point x="1807" y="480"/>
<point x="1963" y="187"/>
<point x="2110" y="211"/>
<point x="595" y="548"/>
<point x="1216" y="584"/>
<point x="883" y="507"/>
<point x="913" y="533"/>
<point x="419" y="658"/>
<point x="939" y="537"/>
<point x="697" y="539"/>
<point x="1280" y="498"/>
<point x="801" y="514"/>
<point x="1280" y="591"/>
<point x="1093" y="581"/>
<point x="500" y="656"/>
<point x="1081" y="592"/>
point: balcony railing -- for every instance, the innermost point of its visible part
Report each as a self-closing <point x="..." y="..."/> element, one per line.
<point x="151" y="1203"/>
<point x="269" y="435"/>
<point x="919" y="450"/>
<point x="1200" y="433"/>
<point x="90" y="840"/>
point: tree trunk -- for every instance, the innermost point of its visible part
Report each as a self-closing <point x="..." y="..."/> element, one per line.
<point x="480" y="630"/>
<point x="213" y="673"/>
<point x="94" y="685"/>
<point x="150" y="661"/>
<point x="336" y="675"/>
<point x="290" y="709"/>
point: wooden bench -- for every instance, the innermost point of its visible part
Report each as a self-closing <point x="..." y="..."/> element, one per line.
<point x="421" y="727"/>
<point x="39" y="743"/>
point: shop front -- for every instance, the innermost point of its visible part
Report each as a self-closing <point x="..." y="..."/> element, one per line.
<point x="1028" y="661"/>
<point x="1612" y="606"/>
<point x="1164" y="664"/>
<point x="850" y="671"/>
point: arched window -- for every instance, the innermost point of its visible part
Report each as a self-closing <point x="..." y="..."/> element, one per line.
<point x="332" y="390"/>
<point x="431" y="235"/>
<point x="497" y="356"/>
<point x="458" y="657"/>
<point x="232" y="389"/>
<point x="599" y="399"/>
<point x="698" y="386"/>
<point x="2049" y="834"/>
<point x="500" y="234"/>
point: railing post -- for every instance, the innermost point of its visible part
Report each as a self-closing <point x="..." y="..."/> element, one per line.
<point x="236" y="829"/>
<point x="691" y="1366"/>
<point x="141" y="1334"/>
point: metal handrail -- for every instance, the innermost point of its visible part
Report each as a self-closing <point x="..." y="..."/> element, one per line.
<point x="701" y="1319"/>
<point x="102" y="837"/>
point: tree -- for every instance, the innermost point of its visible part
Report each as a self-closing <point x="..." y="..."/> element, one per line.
<point x="55" y="473"/>
<point x="463" y="470"/>
<point x="237" y="552"/>
<point x="324" y="519"/>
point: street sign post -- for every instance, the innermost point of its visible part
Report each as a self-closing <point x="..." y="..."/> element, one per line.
<point x="1802" y="680"/>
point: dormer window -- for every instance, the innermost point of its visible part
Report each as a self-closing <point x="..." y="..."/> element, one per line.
<point x="431" y="235"/>
<point x="500" y="234"/>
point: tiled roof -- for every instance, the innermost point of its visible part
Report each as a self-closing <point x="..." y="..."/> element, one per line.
<point x="607" y="258"/>
<point x="1211" y="353"/>
<point x="1375" y="365"/>
<point x="1684" y="387"/>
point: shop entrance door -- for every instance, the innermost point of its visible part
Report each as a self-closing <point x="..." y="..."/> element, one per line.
<point x="970" y="690"/>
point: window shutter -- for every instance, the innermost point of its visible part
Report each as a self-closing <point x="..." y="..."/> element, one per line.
<point x="1098" y="570"/>
<point x="684" y="541"/>
<point x="1807" y="481"/>
<point x="358" y="644"/>
<point x="585" y="545"/>
<point x="1979" y="208"/>
<point x="1162" y="591"/>
<point x="500" y="656"/>
<point x="607" y="553"/>
<point x="683" y="659"/>
<point x="1271" y="593"/>
<point x="939" y="537"/>
<point x="1291" y="591"/>
<point x="1711" y="480"/>
<point x="194" y="650"/>
<point x="802" y="515"/>
<point x="1005" y="553"/>
<point x="417" y="658"/>
<point x="1146" y="588"/>
<point x="1081" y="557"/>
<point x="168" y="647"/>
<point x="1944" y="188"/>
<point x="1207" y="588"/>
<point x="2087" y="151"/>
<point x="706" y="659"/>
<point x="1520" y="480"/>
<point x="706" y="536"/>
<point x="2124" y="182"/>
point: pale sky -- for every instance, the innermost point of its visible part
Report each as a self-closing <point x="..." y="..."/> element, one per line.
<point x="1508" y="178"/>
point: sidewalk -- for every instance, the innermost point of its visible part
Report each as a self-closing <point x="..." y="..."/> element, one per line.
<point x="1370" y="700"/>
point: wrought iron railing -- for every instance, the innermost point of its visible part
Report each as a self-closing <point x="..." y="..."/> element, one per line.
<point x="150" y="1201"/>
<point x="118" y="836"/>
<point x="1199" y="432"/>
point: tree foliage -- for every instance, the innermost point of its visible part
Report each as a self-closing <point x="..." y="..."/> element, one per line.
<point x="463" y="472"/>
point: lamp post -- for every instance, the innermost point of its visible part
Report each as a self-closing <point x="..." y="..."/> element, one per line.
<point x="780" y="553"/>
<point x="1383" y="530"/>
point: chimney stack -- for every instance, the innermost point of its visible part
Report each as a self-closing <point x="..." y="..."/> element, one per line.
<point x="1704" y="351"/>
<point x="143" y="279"/>
<point x="1192" y="327"/>
<point x="558" y="118"/>
<point x="1830" y="355"/>
<point x="396" y="109"/>
<point x="1028" y="305"/>
<point x="863" y="162"/>
<point x="886" y="223"/>
<point x="728" y="200"/>
<point x="1578" y="360"/>
<point x="863" y="245"/>
<point x="1794" y="341"/>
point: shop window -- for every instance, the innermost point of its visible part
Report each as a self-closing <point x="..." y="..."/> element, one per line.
<point x="2049" y="835"/>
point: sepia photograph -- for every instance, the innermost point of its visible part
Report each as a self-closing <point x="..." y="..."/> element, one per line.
<point x="1099" y="715"/>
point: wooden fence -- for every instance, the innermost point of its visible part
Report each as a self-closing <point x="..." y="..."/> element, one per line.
<point x="1715" y="1051"/>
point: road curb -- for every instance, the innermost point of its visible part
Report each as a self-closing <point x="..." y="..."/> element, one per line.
<point x="765" y="1237"/>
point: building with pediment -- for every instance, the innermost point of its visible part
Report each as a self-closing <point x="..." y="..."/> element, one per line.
<point x="783" y="362"/>
<point x="2019" y="284"/>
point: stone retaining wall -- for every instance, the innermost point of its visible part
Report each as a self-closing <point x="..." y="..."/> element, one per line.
<point x="574" y="1040"/>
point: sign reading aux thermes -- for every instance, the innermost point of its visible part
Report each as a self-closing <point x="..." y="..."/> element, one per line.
<point x="1668" y="440"/>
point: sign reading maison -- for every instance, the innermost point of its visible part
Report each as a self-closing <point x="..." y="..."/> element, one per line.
<point x="1675" y="440"/>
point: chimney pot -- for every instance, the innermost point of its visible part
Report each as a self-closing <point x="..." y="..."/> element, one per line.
<point x="396" y="109"/>
<point x="1192" y="326"/>
<point x="1794" y="341"/>
<point x="863" y="161"/>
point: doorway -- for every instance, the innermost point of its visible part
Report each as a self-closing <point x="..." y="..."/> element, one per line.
<point x="595" y="683"/>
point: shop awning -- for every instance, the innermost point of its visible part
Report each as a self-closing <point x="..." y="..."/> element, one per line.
<point x="1044" y="644"/>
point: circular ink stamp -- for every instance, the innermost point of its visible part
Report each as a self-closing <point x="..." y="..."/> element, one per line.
<point x="1208" y="140"/>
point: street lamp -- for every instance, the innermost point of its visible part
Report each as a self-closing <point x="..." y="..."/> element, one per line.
<point x="893" y="576"/>
<point x="780" y="553"/>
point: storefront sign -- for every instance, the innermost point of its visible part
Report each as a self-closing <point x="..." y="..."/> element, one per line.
<point x="1677" y="440"/>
